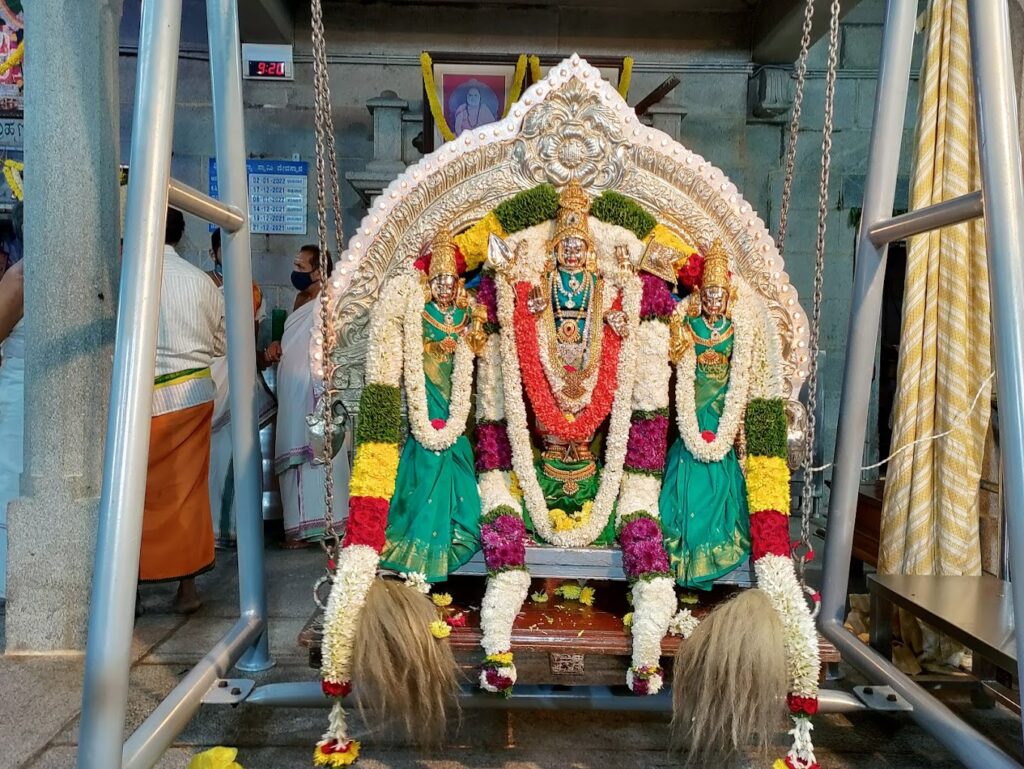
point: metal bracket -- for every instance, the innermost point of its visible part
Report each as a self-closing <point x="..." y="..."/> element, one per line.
<point x="229" y="691"/>
<point x="567" y="664"/>
<point x="882" y="698"/>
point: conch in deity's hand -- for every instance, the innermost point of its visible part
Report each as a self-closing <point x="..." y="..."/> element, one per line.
<point x="499" y="256"/>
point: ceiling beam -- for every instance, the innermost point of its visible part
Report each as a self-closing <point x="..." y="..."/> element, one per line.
<point x="266" y="21"/>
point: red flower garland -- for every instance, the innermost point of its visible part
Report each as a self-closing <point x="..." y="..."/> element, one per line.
<point x="538" y="388"/>
<point x="367" y="522"/>
<point x="769" y="534"/>
<point x="802" y="705"/>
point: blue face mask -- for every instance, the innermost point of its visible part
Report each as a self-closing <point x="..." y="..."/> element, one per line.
<point x="302" y="280"/>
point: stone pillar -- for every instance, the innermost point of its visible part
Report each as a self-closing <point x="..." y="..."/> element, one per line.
<point x="387" y="162"/>
<point x="668" y="118"/>
<point x="71" y="261"/>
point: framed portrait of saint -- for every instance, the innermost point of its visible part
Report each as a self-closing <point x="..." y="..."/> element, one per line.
<point x="469" y="91"/>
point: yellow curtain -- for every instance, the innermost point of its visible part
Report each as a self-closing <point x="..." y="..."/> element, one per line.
<point x="930" y="511"/>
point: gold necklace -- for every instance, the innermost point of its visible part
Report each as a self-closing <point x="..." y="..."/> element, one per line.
<point x="451" y="331"/>
<point x="572" y="382"/>
<point x="570" y="479"/>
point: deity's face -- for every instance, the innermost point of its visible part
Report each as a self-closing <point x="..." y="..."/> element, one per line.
<point x="443" y="288"/>
<point x="572" y="255"/>
<point x="713" y="300"/>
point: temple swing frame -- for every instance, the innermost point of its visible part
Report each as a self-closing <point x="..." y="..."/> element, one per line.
<point x="245" y="646"/>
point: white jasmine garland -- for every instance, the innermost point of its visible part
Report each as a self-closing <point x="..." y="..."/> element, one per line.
<point x="384" y="347"/>
<point x="776" y="576"/>
<point x="415" y="385"/>
<point x="490" y="400"/>
<point x="802" y="753"/>
<point x="735" y="399"/>
<point x="337" y="728"/>
<point x="416" y="580"/>
<point x="683" y="624"/>
<point x="494" y="491"/>
<point x="618" y="432"/>
<point x="356" y="569"/>
<point x="654" y="603"/>
<point x="506" y="671"/>
<point x="503" y="598"/>
<point x="639" y="493"/>
<point x="650" y="392"/>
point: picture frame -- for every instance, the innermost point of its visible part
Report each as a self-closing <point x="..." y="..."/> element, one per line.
<point x="472" y="90"/>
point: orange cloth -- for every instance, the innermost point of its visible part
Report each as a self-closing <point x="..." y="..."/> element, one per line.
<point x="177" y="530"/>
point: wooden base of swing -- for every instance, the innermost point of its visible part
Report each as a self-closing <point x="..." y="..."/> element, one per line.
<point x="557" y="641"/>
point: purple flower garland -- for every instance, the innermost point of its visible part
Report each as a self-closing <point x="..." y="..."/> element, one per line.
<point x="503" y="537"/>
<point x="657" y="300"/>
<point x="493" y="450"/>
<point x="643" y="549"/>
<point x="648" y="443"/>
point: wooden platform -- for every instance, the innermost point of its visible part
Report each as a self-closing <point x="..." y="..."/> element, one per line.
<point x="558" y="641"/>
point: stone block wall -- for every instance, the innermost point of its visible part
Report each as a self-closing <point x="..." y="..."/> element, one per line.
<point x="375" y="47"/>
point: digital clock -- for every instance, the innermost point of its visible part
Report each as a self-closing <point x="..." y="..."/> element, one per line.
<point x="261" y="61"/>
<point x="268" y="69"/>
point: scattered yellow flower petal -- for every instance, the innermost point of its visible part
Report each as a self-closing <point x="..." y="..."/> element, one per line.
<point x="689" y="599"/>
<point x="627" y="619"/>
<point x="441" y="599"/>
<point x="513" y="486"/>
<point x="439" y="629"/>
<point x="215" y="758"/>
<point x="540" y="597"/>
<point x="587" y="595"/>
<point x="568" y="592"/>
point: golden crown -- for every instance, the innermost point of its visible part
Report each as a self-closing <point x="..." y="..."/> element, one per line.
<point x="573" y="209"/>
<point x="716" y="267"/>
<point x="442" y="255"/>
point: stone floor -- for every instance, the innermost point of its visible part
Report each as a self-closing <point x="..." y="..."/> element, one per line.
<point x="40" y="705"/>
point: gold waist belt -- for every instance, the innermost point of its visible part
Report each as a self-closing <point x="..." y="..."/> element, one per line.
<point x="570" y="479"/>
<point x="567" y="451"/>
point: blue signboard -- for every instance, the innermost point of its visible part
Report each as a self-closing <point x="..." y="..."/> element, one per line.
<point x="277" y="195"/>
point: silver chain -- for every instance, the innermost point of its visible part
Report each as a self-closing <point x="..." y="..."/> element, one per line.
<point x="806" y="503"/>
<point x="794" y="125"/>
<point x="326" y="156"/>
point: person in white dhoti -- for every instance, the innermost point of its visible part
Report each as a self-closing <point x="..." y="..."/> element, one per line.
<point x="12" y="400"/>
<point x="300" y="477"/>
<point x="222" y="491"/>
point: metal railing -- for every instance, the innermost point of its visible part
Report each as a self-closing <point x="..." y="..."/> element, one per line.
<point x="150" y="189"/>
<point x="1004" y="218"/>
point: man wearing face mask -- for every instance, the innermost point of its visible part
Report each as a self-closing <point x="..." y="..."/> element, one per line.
<point x="221" y="476"/>
<point x="302" y="481"/>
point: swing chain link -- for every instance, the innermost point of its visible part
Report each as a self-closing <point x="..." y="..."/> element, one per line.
<point x="794" y="125"/>
<point x="325" y="156"/>
<point x="804" y="551"/>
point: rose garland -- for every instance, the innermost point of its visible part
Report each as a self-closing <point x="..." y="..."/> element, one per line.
<point x="518" y="429"/>
<point x="436" y="437"/>
<point x="697" y="442"/>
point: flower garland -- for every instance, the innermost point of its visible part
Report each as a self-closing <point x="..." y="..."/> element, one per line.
<point x="715" y="449"/>
<point x="12" y="61"/>
<point x="518" y="429"/>
<point x="13" y="170"/>
<point x="505" y="593"/>
<point x="584" y="424"/>
<point x="420" y="425"/>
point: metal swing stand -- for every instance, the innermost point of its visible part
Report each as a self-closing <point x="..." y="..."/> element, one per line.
<point x="150" y="189"/>
<point x="1003" y="207"/>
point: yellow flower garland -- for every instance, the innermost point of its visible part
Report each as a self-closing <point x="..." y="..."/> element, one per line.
<point x="374" y="470"/>
<point x="473" y="242"/>
<point x="768" y="484"/>
<point x="14" y="59"/>
<point x="535" y="75"/>
<point x="666" y="237"/>
<point x="430" y="86"/>
<point x="12" y="174"/>
<point x="626" y="76"/>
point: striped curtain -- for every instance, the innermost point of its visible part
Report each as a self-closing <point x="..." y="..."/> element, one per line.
<point x="930" y="510"/>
